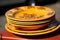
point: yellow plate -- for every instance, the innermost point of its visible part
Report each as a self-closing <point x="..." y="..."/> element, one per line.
<point x="27" y="23"/>
<point x="34" y="10"/>
<point x="13" y="29"/>
<point x="30" y="33"/>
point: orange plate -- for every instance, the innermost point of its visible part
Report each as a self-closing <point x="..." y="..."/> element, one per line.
<point x="30" y="33"/>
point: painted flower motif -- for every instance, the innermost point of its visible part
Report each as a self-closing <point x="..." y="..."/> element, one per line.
<point x="10" y="14"/>
<point x="17" y="8"/>
<point x="50" y="13"/>
<point x="40" y="16"/>
<point x="41" y="8"/>
<point x="28" y="16"/>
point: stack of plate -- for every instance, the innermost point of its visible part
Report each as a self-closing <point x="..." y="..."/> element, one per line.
<point x="31" y="20"/>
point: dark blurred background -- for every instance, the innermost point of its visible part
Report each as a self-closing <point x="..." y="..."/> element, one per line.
<point x="9" y="4"/>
